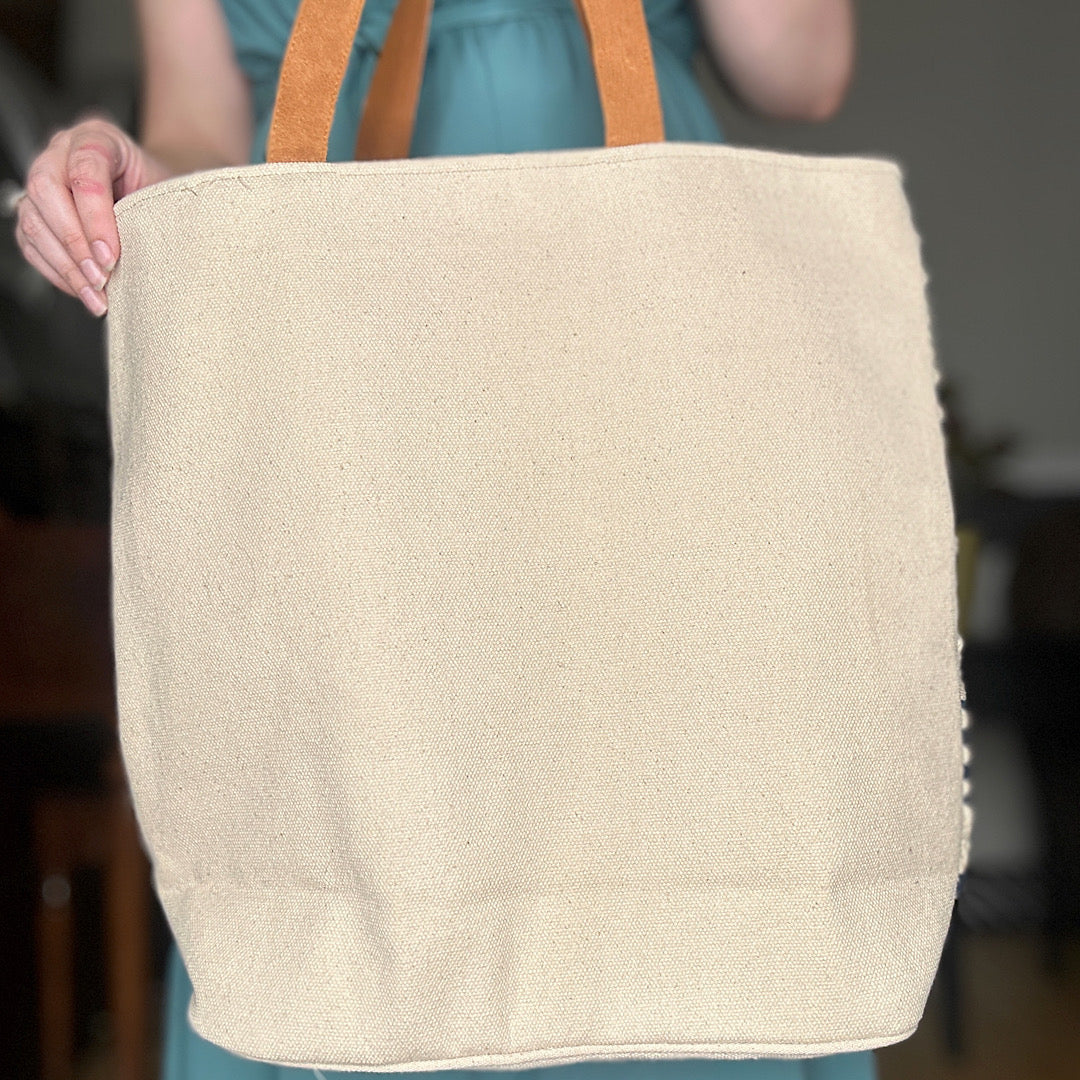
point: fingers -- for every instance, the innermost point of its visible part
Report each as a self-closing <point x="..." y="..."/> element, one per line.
<point x="41" y="266"/>
<point x="48" y="246"/>
<point x="94" y="161"/>
<point x="66" y="226"/>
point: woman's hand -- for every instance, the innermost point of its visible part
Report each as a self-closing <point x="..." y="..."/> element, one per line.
<point x="196" y="114"/>
<point x="65" y="225"/>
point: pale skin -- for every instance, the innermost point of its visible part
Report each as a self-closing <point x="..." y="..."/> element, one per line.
<point x="785" y="59"/>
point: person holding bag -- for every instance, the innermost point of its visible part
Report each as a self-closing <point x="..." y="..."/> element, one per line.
<point x="501" y="76"/>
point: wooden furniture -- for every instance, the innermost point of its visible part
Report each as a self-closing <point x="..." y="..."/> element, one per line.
<point x="56" y="666"/>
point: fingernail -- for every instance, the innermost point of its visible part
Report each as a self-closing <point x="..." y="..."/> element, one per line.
<point x="103" y="255"/>
<point x="93" y="273"/>
<point x="93" y="300"/>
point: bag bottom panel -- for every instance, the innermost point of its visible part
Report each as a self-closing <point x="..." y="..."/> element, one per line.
<point x="391" y="982"/>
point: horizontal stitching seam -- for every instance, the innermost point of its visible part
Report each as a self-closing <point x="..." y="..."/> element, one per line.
<point x="850" y="165"/>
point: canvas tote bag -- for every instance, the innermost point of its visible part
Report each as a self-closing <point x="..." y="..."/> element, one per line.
<point x="534" y="591"/>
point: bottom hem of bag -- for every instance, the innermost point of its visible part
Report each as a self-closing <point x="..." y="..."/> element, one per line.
<point x="578" y="1055"/>
<point x="338" y="982"/>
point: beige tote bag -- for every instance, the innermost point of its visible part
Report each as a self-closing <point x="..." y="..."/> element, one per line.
<point x="534" y="591"/>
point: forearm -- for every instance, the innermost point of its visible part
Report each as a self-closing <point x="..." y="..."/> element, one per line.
<point x="164" y="160"/>
<point x="788" y="59"/>
<point x="195" y="107"/>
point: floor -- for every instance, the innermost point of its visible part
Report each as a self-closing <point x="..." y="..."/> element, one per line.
<point x="1019" y="1021"/>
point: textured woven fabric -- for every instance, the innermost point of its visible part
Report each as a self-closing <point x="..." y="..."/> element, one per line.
<point x="193" y="1058"/>
<point x="535" y="617"/>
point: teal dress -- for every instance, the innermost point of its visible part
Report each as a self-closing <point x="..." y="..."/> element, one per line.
<point x="502" y="76"/>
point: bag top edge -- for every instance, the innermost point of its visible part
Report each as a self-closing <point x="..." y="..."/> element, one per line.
<point x="549" y="159"/>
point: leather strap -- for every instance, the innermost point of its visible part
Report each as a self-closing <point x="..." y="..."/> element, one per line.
<point x="312" y="72"/>
<point x="318" y="54"/>
<point x="386" y="128"/>
<point x="618" y="37"/>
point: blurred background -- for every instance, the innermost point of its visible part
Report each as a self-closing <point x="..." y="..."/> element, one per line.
<point x="979" y="102"/>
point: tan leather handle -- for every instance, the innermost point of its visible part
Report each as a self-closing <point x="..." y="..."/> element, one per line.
<point x="321" y="43"/>
<point x="386" y="127"/>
